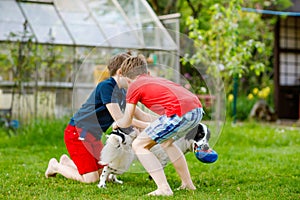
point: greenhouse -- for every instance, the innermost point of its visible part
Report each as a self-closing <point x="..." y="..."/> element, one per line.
<point x="53" y="52"/>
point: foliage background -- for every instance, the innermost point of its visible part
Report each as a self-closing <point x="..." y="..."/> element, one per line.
<point x="256" y="161"/>
<point x="241" y="42"/>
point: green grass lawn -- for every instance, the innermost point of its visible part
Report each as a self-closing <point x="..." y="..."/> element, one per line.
<point x="256" y="161"/>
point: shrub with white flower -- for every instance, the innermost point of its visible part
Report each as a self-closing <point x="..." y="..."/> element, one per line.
<point x="195" y="84"/>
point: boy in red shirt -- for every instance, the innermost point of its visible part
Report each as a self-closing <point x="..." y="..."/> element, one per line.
<point x="179" y="111"/>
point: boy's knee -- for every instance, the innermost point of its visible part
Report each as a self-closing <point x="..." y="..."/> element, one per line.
<point x="167" y="143"/>
<point x="90" y="181"/>
<point x="142" y="144"/>
<point x="135" y="145"/>
<point x="91" y="177"/>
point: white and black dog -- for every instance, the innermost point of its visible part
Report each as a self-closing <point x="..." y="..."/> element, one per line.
<point x="198" y="136"/>
<point x="117" y="154"/>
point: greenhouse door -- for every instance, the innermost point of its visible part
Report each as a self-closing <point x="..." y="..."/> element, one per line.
<point x="287" y="68"/>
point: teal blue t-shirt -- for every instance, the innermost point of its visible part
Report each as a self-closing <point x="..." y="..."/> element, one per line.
<point x="93" y="115"/>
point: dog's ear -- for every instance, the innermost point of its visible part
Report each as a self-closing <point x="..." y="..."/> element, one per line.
<point x="206" y="131"/>
<point x="192" y="134"/>
<point x="202" y="131"/>
<point x="197" y="133"/>
<point x="127" y="130"/>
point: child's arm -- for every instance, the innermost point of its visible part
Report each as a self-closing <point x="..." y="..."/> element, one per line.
<point x="143" y="116"/>
<point x="126" y="120"/>
<point x="114" y="110"/>
<point x="139" y="124"/>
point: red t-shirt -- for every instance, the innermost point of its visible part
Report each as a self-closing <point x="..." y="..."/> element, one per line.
<point x="162" y="96"/>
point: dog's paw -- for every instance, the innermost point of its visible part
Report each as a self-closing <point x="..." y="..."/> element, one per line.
<point x="118" y="181"/>
<point x="101" y="185"/>
<point x="113" y="178"/>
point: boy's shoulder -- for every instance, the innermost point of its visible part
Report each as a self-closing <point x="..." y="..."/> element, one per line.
<point x="108" y="81"/>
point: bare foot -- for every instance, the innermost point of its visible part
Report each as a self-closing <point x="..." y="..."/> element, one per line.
<point x="186" y="187"/>
<point x="160" y="193"/>
<point x="64" y="159"/>
<point x="50" y="172"/>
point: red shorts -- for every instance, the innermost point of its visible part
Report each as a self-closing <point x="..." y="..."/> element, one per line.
<point x="85" y="154"/>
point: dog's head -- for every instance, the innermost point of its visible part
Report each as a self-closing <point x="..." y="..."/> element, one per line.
<point x="115" y="140"/>
<point x="201" y="147"/>
<point x="131" y="132"/>
<point x="110" y="149"/>
<point x="116" y="143"/>
<point x="199" y="135"/>
<point x="122" y="136"/>
<point x="127" y="135"/>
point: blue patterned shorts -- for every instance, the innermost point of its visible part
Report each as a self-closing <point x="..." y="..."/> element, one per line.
<point x="173" y="127"/>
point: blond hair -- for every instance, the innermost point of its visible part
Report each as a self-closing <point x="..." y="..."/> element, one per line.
<point x="115" y="62"/>
<point x="134" y="66"/>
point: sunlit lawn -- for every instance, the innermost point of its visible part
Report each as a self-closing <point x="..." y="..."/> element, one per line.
<point x="256" y="161"/>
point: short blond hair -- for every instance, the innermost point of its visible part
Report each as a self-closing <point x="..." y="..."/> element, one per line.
<point x="134" y="66"/>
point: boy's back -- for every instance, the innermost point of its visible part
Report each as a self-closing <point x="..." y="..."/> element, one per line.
<point x="162" y="96"/>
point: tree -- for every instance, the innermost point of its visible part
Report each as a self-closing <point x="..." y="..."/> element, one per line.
<point x="240" y="42"/>
<point x="200" y="9"/>
<point x="221" y="46"/>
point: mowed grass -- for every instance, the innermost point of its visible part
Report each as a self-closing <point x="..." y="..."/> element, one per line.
<point x="256" y="161"/>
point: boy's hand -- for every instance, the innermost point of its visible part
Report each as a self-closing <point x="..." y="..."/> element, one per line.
<point x="115" y="125"/>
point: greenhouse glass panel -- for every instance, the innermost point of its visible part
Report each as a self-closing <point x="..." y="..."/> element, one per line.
<point x="131" y="8"/>
<point x="46" y="23"/>
<point x="71" y="5"/>
<point x="11" y="21"/>
<point x="81" y="23"/>
<point x="155" y="28"/>
<point x="154" y="34"/>
<point x="114" y="23"/>
<point x="83" y="29"/>
<point x="10" y="12"/>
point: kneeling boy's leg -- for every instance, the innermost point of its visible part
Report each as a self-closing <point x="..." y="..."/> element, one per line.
<point x="65" y="160"/>
<point x="69" y="172"/>
<point x="84" y="154"/>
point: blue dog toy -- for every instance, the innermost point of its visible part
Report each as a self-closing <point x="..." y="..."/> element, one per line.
<point x="205" y="154"/>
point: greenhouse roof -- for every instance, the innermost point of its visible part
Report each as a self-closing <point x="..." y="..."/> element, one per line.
<point x="105" y="23"/>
